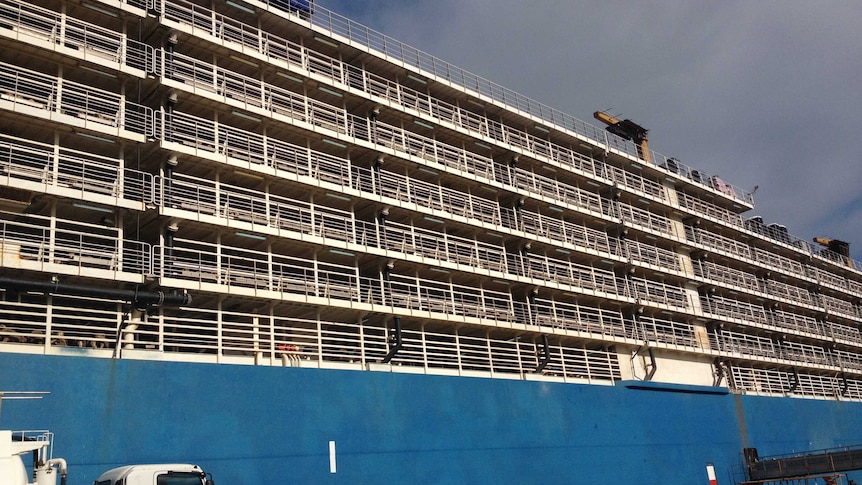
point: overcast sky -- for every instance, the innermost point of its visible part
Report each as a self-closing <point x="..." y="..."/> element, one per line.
<point x="761" y="93"/>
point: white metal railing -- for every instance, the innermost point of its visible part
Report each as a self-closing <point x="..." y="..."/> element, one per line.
<point x="726" y="275"/>
<point x="789" y="292"/>
<point x="400" y="139"/>
<point x="844" y="332"/>
<point x="390" y="49"/>
<point x="782" y="263"/>
<point x="735" y="309"/>
<point x="22" y="87"/>
<point x="849" y="360"/>
<point x="223" y="265"/>
<point x="781" y="382"/>
<point x="25" y="160"/>
<point x="579" y="318"/>
<point x="534" y="224"/>
<point x="568" y="273"/>
<point x="700" y="206"/>
<point x="669" y="332"/>
<point x="647" y="219"/>
<point x="91" y="37"/>
<point x="313" y="63"/>
<point x="841" y="307"/>
<point x="765" y="348"/>
<point x="207" y="263"/>
<point x="742" y="250"/>
<point x="653" y="255"/>
<point x="230" y="202"/>
<point x="274" y="339"/>
<point x="258" y="150"/>
<point x="831" y="279"/>
<point x="779" y="233"/>
<point x="716" y="241"/>
<point x="72" y="244"/>
<point x="657" y="292"/>
<point x="30" y="23"/>
<point x="445" y="297"/>
<point x="806" y="353"/>
<point x="745" y="345"/>
<point x="797" y="323"/>
<point x="300" y="57"/>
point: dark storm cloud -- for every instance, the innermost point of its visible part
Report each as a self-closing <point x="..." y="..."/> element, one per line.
<point x="760" y="93"/>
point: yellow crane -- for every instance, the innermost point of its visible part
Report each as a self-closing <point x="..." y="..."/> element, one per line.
<point x="836" y="246"/>
<point x="627" y="129"/>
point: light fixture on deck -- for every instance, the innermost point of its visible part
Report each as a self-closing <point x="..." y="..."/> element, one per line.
<point x="423" y="124"/>
<point x="93" y="208"/>
<point x="240" y="114"/>
<point x="334" y="143"/>
<point x="244" y="61"/>
<point x="99" y="9"/>
<point x="100" y="72"/>
<point x="248" y="175"/>
<point x="417" y="79"/>
<point x="330" y="91"/>
<point x="325" y="41"/>
<point x="250" y="236"/>
<point x="343" y="253"/>
<point x="240" y="7"/>
<point x="338" y="196"/>
<point x="289" y="76"/>
<point x="95" y="137"/>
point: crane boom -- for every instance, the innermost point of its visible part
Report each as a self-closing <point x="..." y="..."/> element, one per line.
<point x="627" y="129"/>
<point x="836" y="246"/>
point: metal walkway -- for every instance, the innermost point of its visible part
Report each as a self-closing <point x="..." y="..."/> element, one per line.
<point x="818" y="462"/>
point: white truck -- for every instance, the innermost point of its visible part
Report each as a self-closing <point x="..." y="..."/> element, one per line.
<point x="167" y="474"/>
<point x="14" y="445"/>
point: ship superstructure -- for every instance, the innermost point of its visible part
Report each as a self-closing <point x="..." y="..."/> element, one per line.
<point x="272" y="184"/>
<point x="308" y="193"/>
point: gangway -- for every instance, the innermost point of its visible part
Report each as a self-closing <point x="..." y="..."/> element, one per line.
<point x="801" y="465"/>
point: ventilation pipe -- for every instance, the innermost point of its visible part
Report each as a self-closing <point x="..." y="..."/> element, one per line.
<point x="795" y="384"/>
<point x="140" y="299"/>
<point x="718" y="373"/>
<point x="61" y="465"/>
<point x="546" y="354"/>
<point x="653" y="366"/>
<point x="396" y="342"/>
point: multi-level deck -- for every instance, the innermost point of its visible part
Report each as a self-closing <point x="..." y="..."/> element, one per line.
<point x="330" y="197"/>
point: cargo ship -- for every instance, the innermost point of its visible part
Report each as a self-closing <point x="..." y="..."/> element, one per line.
<point x="261" y="237"/>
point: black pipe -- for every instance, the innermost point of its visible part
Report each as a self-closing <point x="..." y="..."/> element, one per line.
<point x="795" y="383"/>
<point x="653" y="365"/>
<point x="396" y="339"/>
<point x="139" y="298"/>
<point x="546" y="357"/>
<point x="719" y="372"/>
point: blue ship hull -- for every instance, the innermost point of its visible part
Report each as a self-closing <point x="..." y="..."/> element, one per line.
<point x="262" y="425"/>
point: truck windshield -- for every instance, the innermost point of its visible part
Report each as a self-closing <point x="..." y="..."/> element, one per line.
<point x="179" y="479"/>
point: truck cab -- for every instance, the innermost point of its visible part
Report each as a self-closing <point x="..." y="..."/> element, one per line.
<point x="163" y="474"/>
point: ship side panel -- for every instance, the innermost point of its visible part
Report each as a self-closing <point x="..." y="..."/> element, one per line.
<point x="272" y="425"/>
